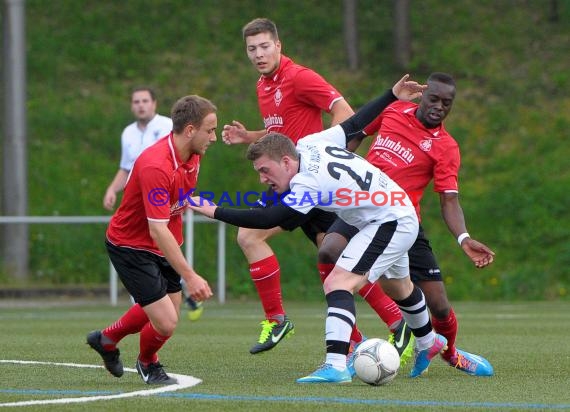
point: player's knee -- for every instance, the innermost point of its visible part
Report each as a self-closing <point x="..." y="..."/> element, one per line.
<point x="331" y="248"/>
<point x="166" y="327"/>
<point x="436" y="298"/>
<point x="247" y="238"/>
<point x="440" y="310"/>
<point x="328" y="254"/>
<point x="329" y="284"/>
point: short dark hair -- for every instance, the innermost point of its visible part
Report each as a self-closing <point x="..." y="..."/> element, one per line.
<point x="148" y="89"/>
<point x="441" y="78"/>
<point x="260" y="25"/>
<point x="190" y="109"/>
<point x="273" y="145"/>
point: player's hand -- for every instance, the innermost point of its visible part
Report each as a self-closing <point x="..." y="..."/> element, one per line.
<point x="109" y="200"/>
<point x="198" y="288"/>
<point x="479" y="253"/>
<point x="234" y="133"/>
<point x="407" y="90"/>
<point x="203" y="206"/>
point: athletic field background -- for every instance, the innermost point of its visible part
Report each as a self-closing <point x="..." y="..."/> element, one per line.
<point x="525" y="342"/>
<point x="510" y="59"/>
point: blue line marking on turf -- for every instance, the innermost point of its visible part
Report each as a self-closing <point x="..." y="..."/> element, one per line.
<point x="346" y="401"/>
<point x="352" y="401"/>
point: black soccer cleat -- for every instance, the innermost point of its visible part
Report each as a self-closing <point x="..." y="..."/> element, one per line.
<point x="154" y="374"/>
<point x="403" y="340"/>
<point x="111" y="358"/>
<point x="271" y="334"/>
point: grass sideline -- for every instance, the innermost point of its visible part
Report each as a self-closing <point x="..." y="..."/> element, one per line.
<point x="522" y="341"/>
<point x="510" y="119"/>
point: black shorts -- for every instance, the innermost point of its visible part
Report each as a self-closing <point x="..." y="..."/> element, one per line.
<point x="342" y="228"/>
<point x="317" y="220"/>
<point x="423" y="265"/>
<point x="146" y="276"/>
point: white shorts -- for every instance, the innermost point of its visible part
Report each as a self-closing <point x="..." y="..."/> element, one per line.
<point x="382" y="250"/>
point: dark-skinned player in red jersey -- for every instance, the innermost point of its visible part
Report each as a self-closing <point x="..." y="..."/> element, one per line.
<point x="413" y="148"/>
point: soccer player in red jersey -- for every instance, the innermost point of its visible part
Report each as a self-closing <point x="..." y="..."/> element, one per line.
<point x="144" y="239"/>
<point x="291" y="100"/>
<point x="413" y="148"/>
<point x="148" y="128"/>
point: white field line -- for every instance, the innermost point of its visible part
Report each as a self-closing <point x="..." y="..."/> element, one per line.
<point x="184" y="381"/>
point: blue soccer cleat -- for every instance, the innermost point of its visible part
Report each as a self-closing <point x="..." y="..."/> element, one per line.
<point x="327" y="373"/>
<point x="471" y="364"/>
<point x="350" y="356"/>
<point x="424" y="357"/>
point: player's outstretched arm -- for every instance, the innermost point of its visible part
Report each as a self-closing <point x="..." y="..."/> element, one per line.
<point x="256" y="218"/>
<point x="452" y="213"/>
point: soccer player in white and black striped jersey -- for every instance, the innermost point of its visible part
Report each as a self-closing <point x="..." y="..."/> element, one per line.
<point x="320" y="173"/>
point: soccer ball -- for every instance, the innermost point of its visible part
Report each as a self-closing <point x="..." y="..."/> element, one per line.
<point x="376" y="361"/>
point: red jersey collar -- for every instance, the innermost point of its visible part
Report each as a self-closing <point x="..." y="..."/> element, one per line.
<point x="410" y="112"/>
<point x="190" y="165"/>
<point x="283" y="63"/>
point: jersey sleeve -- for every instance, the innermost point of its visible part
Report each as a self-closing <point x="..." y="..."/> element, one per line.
<point x="368" y="118"/>
<point x="304" y="194"/>
<point x="125" y="163"/>
<point x="312" y="89"/>
<point x="334" y="135"/>
<point x="261" y="218"/>
<point x="165" y="126"/>
<point x="446" y="171"/>
<point x="155" y="190"/>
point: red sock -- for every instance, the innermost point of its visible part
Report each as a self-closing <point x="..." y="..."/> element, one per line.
<point x="324" y="270"/>
<point x="385" y="307"/>
<point x="266" y="276"/>
<point x="448" y="328"/>
<point x="131" y="322"/>
<point x="150" y="343"/>
<point x="356" y="335"/>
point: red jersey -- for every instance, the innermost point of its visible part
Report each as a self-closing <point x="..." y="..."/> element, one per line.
<point x="292" y="100"/>
<point x="412" y="155"/>
<point x="156" y="184"/>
